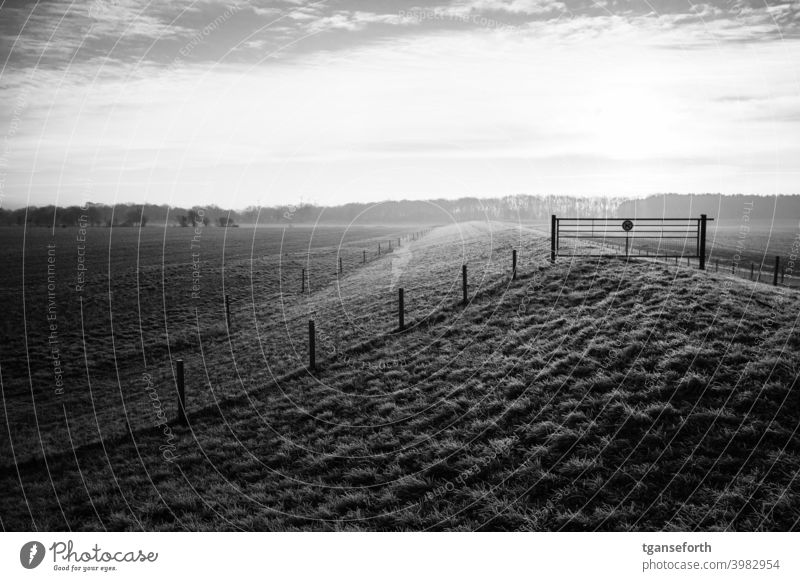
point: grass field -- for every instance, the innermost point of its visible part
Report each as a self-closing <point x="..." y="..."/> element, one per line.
<point x="145" y="297"/>
<point x="596" y="393"/>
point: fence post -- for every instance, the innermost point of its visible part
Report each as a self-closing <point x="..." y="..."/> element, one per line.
<point x="340" y="265"/>
<point x="181" y="394"/>
<point x="401" y="315"/>
<point x="775" y="273"/>
<point x="364" y="260"/>
<point x="514" y="264"/>
<point x="751" y="271"/>
<point x="553" y="238"/>
<point x="303" y="284"/>
<point x="702" y="233"/>
<point x="312" y="346"/>
<point x="228" y="310"/>
<point x="464" y="284"/>
<point x="379" y="248"/>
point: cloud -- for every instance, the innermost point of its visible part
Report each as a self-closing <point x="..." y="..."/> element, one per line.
<point x="543" y="84"/>
<point x="526" y="7"/>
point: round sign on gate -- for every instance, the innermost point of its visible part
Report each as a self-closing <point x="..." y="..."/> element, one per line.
<point x="627" y="225"/>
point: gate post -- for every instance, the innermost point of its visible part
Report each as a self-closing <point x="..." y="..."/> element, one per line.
<point x="553" y="238"/>
<point x="702" y="249"/>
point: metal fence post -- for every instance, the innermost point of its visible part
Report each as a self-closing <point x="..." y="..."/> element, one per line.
<point x="553" y="238"/>
<point x="702" y="249"/>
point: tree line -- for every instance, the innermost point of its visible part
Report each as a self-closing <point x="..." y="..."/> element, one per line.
<point x="437" y="211"/>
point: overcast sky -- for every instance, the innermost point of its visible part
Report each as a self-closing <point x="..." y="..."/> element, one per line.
<point x="281" y="102"/>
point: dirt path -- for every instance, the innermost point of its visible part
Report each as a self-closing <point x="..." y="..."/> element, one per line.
<point x="400" y="259"/>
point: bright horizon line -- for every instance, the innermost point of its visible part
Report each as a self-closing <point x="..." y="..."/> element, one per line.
<point x="401" y="200"/>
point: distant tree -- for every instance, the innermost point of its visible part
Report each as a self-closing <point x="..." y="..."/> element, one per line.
<point x="131" y="218"/>
<point x="95" y="215"/>
<point x="135" y="217"/>
<point x="183" y="221"/>
<point x="192" y="217"/>
<point x="224" y="221"/>
<point x="206" y="220"/>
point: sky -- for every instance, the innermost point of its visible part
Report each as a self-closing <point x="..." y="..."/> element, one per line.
<point x="247" y="103"/>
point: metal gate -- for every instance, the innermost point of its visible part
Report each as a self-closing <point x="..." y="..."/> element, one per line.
<point x="666" y="237"/>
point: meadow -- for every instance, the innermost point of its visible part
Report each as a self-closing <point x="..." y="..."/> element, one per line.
<point x="590" y="394"/>
<point x="127" y="301"/>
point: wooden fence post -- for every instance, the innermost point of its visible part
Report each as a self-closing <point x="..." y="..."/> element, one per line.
<point x="514" y="264"/>
<point x="751" y="271"/>
<point x="401" y="315"/>
<point x="364" y="259"/>
<point x="182" y="419"/>
<point x="775" y="273"/>
<point x="340" y="266"/>
<point x="553" y="238"/>
<point x="228" y="310"/>
<point x="303" y="284"/>
<point x="312" y="346"/>
<point x="464" y="284"/>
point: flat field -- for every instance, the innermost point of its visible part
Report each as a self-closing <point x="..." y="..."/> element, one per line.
<point x="593" y="393"/>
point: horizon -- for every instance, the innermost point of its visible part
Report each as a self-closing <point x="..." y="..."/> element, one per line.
<point x="215" y="205"/>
